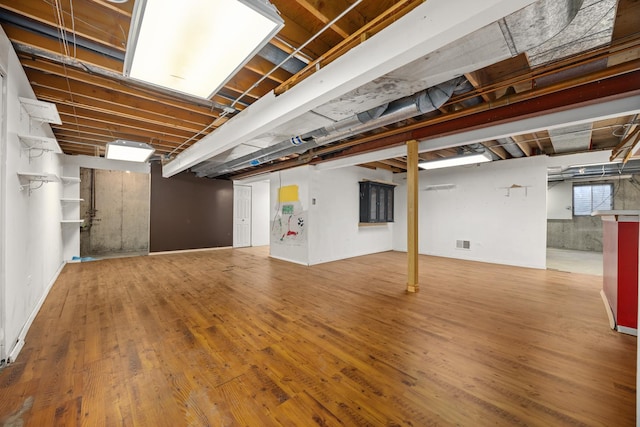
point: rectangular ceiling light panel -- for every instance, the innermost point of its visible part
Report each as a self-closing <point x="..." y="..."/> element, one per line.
<point x="467" y="159"/>
<point x="128" y="150"/>
<point x="196" y="46"/>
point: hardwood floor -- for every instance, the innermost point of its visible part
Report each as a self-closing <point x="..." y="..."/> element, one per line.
<point x="231" y="337"/>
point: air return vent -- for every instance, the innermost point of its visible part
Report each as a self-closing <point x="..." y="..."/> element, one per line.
<point x="463" y="244"/>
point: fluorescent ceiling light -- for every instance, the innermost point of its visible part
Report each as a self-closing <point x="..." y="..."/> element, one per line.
<point x="195" y="46"/>
<point x="129" y="151"/>
<point x="467" y="159"/>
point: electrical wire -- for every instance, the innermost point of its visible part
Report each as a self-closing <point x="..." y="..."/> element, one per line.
<point x="63" y="41"/>
<point x="297" y="50"/>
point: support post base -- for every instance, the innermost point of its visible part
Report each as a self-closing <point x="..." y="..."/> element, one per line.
<point x="413" y="288"/>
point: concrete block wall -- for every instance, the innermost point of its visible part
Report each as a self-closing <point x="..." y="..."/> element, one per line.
<point x="121" y="221"/>
<point x="584" y="233"/>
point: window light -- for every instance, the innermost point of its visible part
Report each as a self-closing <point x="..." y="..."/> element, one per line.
<point x="467" y="159"/>
<point x="195" y="46"/>
<point x="129" y="151"/>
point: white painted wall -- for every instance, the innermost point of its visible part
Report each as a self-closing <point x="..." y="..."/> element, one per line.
<point x="32" y="243"/>
<point x="335" y="233"/>
<point x="260" y="211"/>
<point x="560" y="200"/>
<point x="297" y="251"/>
<point x="566" y="160"/>
<point x="504" y="225"/>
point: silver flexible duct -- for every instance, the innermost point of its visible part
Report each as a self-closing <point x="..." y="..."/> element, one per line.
<point x="423" y="102"/>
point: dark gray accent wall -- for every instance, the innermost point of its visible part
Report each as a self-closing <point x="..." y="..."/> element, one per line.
<point x="189" y="212"/>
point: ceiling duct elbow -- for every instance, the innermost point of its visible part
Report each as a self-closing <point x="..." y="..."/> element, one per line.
<point x="435" y="97"/>
<point x="510" y="146"/>
<point x="479" y="148"/>
<point x="401" y="109"/>
<point x="372" y="114"/>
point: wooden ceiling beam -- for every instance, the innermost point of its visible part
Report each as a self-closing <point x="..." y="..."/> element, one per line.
<point x="50" y="48"/>
<point x="537" y="141"/>
<point x="477" y="85"/>
<point x="116" y="116"/>
<point x="120" y="101"/>
<point x="496" y="149"/>
<point x="67" y="72"/>
<point x="90" y="20"/>
<point x="83" y="112"/>
<point x="261" y="66"/>
<point x="78" y="148"/>
<point x="294" y="34"/>
<point x="377" y="165"/>
<point x="395" y="163"/>
<point x="61" y="97"/>
<point x="104" y="139"/>
<point x="81" y="130"/>
<point x="557" y="98"/>
<point x="398" y="9"/>
<point x="244" y="80"/>
<point x="99" y="120"/>
<point x="521" y="142"/>
<point x="625" y="25"/>
<point x="325" y="11"/>
<point x="54" y="47"/>
<point x="125" y="8"/>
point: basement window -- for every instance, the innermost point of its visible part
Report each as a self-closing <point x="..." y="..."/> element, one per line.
<point x="376" y="202"/>
<point x="589" y="198"/>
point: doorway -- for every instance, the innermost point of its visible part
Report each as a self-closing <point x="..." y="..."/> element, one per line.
<point x="251" y="203"/>
<point x="241" y="216"/>
<point x="115" y="209"/>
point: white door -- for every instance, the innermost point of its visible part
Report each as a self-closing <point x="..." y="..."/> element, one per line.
<point x="241" y="216"/>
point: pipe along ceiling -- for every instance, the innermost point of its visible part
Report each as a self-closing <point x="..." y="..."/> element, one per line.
<point x="551" y="16"/>
<point x="423" y="102"/>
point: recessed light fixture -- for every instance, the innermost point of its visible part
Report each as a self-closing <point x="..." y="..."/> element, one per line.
<point x="466" y="159"/>
<point x="128" y="150"/>
<point x="195" y="46"/>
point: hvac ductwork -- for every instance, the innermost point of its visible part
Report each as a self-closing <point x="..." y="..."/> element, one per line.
<point x="423" y="102"/>
<point x="510" y="146"/>
<point x="479" y="148"/>
<point x="586" y="172"/>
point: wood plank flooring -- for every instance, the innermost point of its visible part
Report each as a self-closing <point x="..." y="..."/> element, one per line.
<point x="233" y="338"/>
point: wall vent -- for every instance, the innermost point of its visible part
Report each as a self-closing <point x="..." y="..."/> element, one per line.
<point x="463" y="244"/>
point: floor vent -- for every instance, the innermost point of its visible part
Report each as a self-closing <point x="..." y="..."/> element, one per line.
<point x="463" y="244"/>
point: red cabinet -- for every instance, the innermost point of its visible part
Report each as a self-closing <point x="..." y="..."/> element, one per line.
<point x="620" y="235"/>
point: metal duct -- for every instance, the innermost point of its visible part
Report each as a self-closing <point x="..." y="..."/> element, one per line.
<point x="510" y="146"/>
<point x="479" y="148"/>
<point x="571" y="138"/>
<point x="423" y="102"/>
<point x="587" y="172"/>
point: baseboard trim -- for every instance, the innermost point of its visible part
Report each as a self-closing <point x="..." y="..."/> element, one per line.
<point x="288" y="260"/>
<point x="15" y="351"/>
<point x="182" y="251"/>
<point x="627" y="330"/>
<point x="607" y="307"/>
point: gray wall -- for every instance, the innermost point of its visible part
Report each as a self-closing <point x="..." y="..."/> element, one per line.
<point x="585" y="232"/>
<point x="121" y="221"/>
